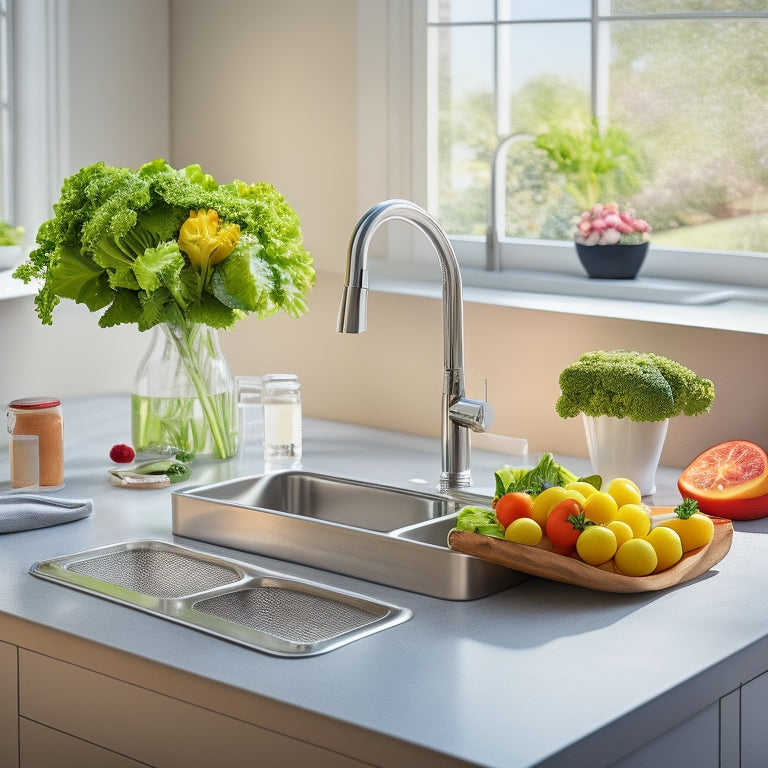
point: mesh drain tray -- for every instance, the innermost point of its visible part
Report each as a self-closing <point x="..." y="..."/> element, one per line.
<point x="261" y="609"/>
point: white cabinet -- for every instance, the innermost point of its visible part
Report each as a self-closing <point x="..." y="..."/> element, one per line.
<point x="146" y="726"/>
<point x="9" y="687"/>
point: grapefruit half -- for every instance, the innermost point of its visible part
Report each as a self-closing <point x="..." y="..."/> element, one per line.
<point x="728" y="480"/>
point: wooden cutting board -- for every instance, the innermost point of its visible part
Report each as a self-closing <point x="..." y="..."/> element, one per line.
<point x="542" y="562"/>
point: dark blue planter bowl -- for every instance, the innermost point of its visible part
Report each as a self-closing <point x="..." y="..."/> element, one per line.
<point x="613" y="262"/>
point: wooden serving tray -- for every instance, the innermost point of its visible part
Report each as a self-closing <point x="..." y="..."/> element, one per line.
<point x="543" y="562"/>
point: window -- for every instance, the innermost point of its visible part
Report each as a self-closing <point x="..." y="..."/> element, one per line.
<point x="6" y="212"/>
<point x="682" y="81"/>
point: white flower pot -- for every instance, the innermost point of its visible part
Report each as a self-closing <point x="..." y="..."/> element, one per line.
<point x="625" y="448"/>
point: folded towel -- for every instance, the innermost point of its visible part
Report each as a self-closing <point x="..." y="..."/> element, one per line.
<point x="25" y="511"/>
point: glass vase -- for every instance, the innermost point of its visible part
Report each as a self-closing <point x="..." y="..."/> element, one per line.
<point x="183" y="396"/>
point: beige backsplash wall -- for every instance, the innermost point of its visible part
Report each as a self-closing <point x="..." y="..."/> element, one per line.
<point x="391" y="376"/>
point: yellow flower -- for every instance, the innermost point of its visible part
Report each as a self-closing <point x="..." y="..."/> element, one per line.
<point x="206" y="242"/>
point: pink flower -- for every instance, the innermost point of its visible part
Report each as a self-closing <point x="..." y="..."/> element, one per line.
<point x="606" y="224"/>
<point x="592" y="239"/>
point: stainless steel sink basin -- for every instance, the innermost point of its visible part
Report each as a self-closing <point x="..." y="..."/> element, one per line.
<point x="380" y="533"/>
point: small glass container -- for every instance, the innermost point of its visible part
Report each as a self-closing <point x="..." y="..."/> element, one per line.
<point x="40" y="416"/>
<point x="251" y="411"/>
<point x="281" y="399"/>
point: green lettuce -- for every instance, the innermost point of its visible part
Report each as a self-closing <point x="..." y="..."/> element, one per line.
<point x="112" y="246"/>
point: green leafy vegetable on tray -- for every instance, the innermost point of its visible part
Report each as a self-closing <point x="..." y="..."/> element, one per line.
<point x="534" y="480"/>
<point x="479" y="520"/>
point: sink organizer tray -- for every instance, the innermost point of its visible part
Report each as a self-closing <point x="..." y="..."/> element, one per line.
<point x="255" y="607"/>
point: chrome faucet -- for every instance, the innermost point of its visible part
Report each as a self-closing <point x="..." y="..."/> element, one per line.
<point x="459" y="414"/>
<point x="497" y="197"/>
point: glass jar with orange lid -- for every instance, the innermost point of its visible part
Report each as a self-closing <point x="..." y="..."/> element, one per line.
<point x="40" y="416"/>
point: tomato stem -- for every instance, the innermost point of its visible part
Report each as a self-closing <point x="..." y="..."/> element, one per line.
<point x="579" y="522"/>
<point x="687" y="509"/>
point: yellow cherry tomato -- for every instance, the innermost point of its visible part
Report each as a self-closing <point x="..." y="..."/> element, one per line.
<point x="600" y="508"/>
<point x="694" y="532"/>
<point x="636" y="557"/>
<point x="543" y="503"/>
<point x="584" y="488"/>
<point x="524" y="530"/>
<point x="625" y="491"/>
<point x="667" y="545"/>
<point x="596" y="544"/>
<point x="621" y="531"/>
<point x="636" y="516"/>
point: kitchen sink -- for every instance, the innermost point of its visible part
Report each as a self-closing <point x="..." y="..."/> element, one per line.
<point x="380" y="533"/>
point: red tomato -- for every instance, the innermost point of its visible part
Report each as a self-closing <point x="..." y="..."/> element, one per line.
<point x="511" y="506"/>
<point x="559" y="531"/>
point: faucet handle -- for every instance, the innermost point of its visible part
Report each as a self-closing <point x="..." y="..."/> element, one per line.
<point x="475" y="414"/>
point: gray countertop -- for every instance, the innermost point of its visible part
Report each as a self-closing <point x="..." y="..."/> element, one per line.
<point x="481" y="681"/>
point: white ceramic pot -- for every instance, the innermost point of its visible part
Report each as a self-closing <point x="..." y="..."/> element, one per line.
<point x="626" y="448"/>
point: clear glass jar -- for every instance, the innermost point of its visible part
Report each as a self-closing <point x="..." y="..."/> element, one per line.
<point x="41" y="417"/>
<point x="281" y="400"/>
<point x="183" y="396"/>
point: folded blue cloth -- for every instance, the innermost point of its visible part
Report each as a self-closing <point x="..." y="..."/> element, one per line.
<point x="25" y="511"/>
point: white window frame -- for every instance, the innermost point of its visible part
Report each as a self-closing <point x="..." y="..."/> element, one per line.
<point x="6" y="103"/>
<point x="395" y="111"/>
<point x="40" y="108"/>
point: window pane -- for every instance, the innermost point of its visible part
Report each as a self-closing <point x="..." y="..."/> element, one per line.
<point x="694" y="97"/>
<point x="441" y="11"/>
<point x="648" y="7"/>
<point x="544" y="81"/>
<point x="515" y="10"/>
<point x="466" y="123"/>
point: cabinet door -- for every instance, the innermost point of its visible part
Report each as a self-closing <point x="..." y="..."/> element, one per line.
<point x="41" y="746"/>
<point x="695" y="741"/>
<point x="754" y="734"/>
<point x="150" y="727"/>
<point x="9" y="706"/>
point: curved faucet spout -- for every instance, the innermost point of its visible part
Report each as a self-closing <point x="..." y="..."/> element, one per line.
<point x="496" y="200"/>
<point x="456" y="422"/>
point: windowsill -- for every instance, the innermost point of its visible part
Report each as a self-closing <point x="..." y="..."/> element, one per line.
<point x="11" y="288"/>
<point x="653" y="300"/>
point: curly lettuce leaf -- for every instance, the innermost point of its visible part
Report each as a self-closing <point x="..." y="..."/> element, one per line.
<point x="479" y="520"/>
<point x="113" y="242"/>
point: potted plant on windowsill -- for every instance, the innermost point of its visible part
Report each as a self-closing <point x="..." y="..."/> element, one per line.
<point x="611" y="243"/>
<point x="626" y="399"/>
<point x="10" y="245"/>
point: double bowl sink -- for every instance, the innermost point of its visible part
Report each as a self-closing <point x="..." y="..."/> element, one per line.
<point x="391" y="536"/>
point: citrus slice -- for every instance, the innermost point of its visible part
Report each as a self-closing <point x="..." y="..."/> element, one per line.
<point x="737" y="469"/>
<point x="732" y="509"/>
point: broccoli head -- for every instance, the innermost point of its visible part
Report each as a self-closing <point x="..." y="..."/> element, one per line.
<point x="641" y="386"/>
